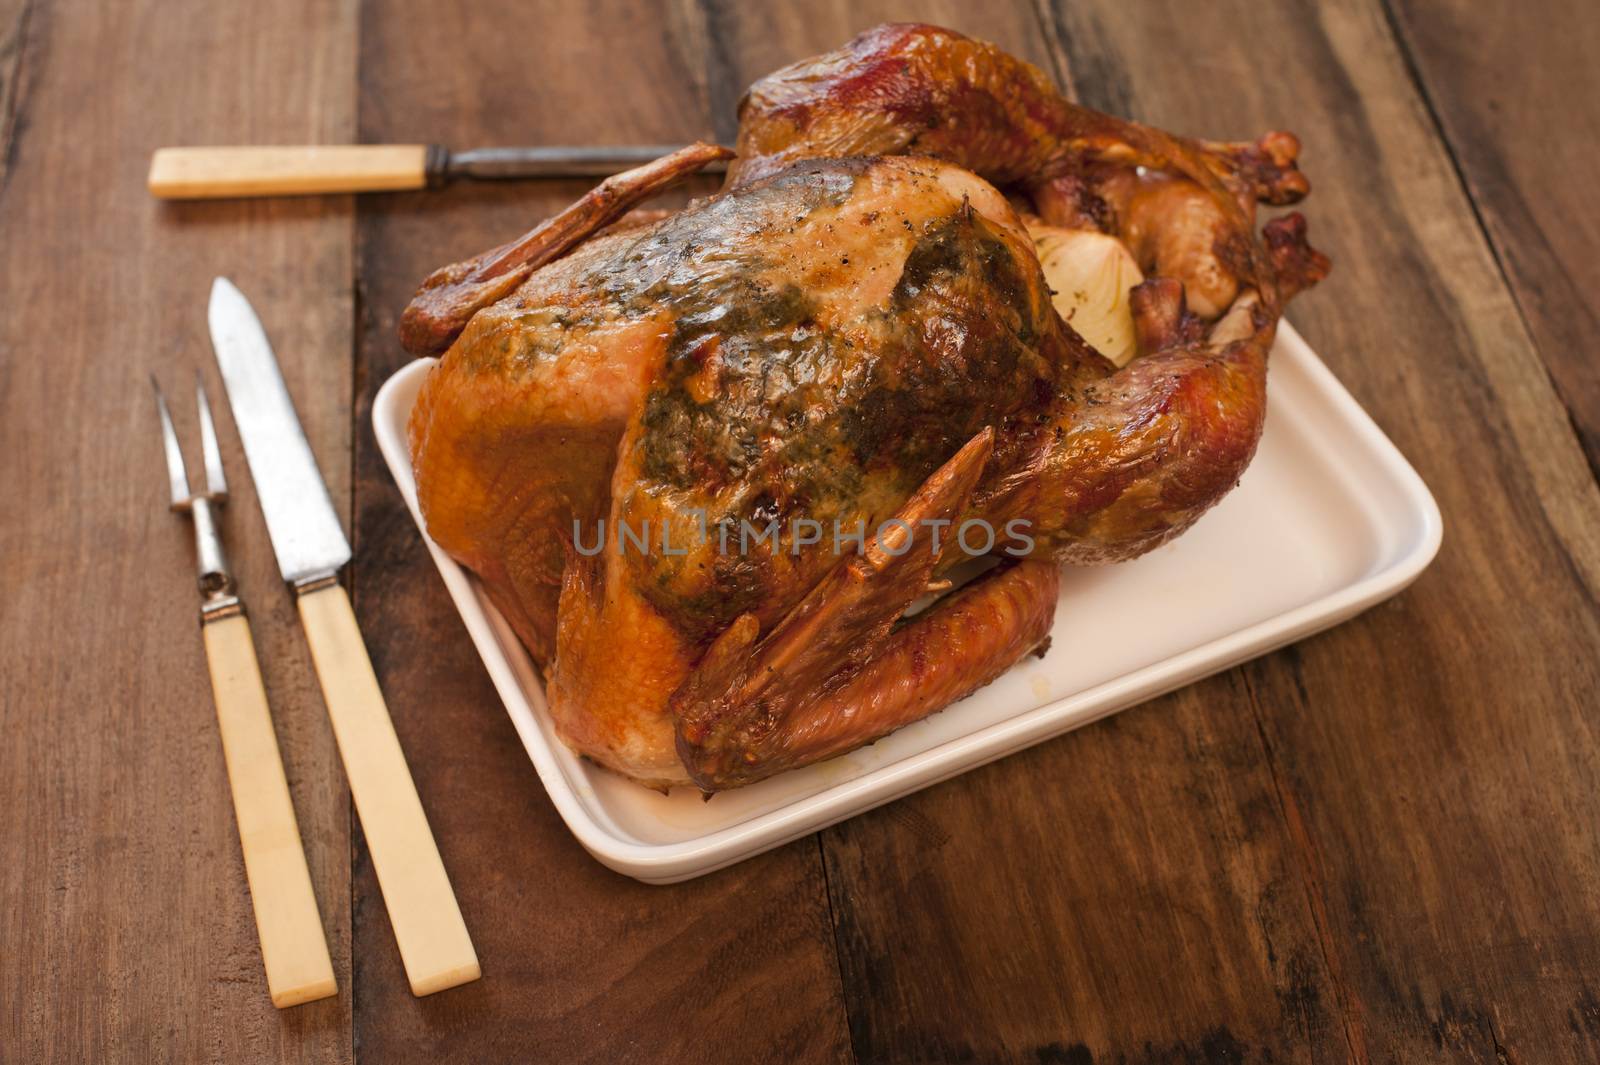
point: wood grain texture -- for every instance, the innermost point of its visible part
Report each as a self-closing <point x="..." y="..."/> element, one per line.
<point x="1436" y="760"/>
<point x="13" y="37"/>
<point x="579" y="963"/>
<point x="127" y="929"/>
<point x="1375" y="846"/>
<point x="1516" y="92"/>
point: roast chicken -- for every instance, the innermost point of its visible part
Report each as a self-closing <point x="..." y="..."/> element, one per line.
<point x="712" y="464"/>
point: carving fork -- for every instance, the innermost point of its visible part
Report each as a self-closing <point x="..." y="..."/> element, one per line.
<point x="293" y="946"/>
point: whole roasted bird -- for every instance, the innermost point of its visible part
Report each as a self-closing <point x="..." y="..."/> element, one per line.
<point x="855" y="334"/>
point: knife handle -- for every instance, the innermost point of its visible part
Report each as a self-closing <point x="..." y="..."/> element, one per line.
<point x="293" y="947"/>
<point x="210" y="173"/>
<point x="434" y="944"/>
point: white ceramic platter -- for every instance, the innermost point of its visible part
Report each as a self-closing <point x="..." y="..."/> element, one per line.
<point x="1328" y="520"/>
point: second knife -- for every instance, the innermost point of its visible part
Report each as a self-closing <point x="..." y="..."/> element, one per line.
<point x="311" y="548"/>
<point x="212" y="173"/>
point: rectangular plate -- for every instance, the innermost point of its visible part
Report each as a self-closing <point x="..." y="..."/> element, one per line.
<point x="1328" y="520"/>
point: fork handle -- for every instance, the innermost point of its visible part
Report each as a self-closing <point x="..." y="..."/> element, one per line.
<point x="427" y="923"/>
<point x="293" y="946"/>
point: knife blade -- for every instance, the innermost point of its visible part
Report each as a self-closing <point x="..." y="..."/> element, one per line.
<point x="209" y="173"/>
<point x="304" y="527"/>
<point x="310" y="548"/>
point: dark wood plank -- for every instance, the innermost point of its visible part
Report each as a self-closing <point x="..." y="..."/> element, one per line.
<point x="127" y="928"/>
<point x="1127" y="890"/>
<point x="1436" y="760"/>
<point x="1517" y="94"/>
<point x="13" y="31"/>
<point x="580" y="964"/>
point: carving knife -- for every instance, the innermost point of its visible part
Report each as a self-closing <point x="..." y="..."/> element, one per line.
<point x="211" y="173"/>
<point x="311" y="548"/>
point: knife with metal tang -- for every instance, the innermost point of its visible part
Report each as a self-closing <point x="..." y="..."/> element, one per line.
<point x="212" y="173"/>
<point x="311" y="547"/>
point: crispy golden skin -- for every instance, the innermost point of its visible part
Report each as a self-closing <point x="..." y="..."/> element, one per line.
<point x="856" y="331"/>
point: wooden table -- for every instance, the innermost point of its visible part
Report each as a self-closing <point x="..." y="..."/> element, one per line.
<point x="1378" y="845"/>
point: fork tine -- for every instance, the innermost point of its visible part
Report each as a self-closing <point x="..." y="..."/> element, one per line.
<point x="176" y="474"/>
<point x="216" y="485"/>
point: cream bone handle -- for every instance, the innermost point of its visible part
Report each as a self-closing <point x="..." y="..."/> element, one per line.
<point x="433" y="940"/>
<point x="212" y="173"/>
<point x="293" y="946"/>
<point x="200" y="173"/>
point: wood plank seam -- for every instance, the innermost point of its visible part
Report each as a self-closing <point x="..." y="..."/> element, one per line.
<point x="13" y="48"/>
<point x="1305" y="850"/>
<point x="722" y="79"/>
<point x="1497" y="252"/>
<point x="1060" y="68"/>
<point x="356" y="839"/>
<point x="359" y="858"/>
<point x="838" y="948"/>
